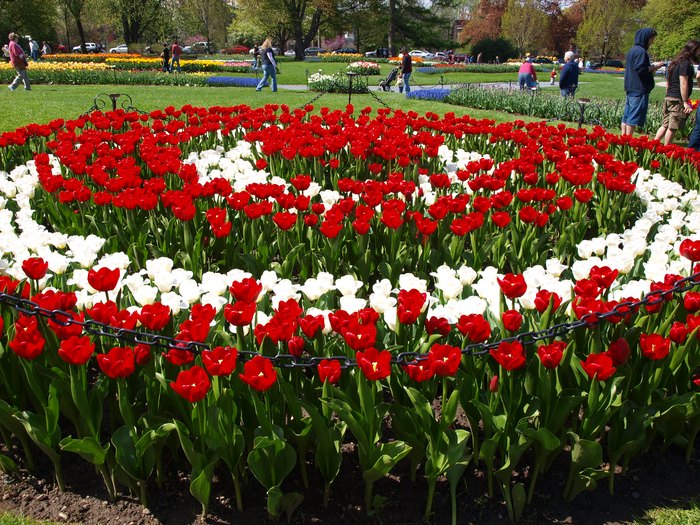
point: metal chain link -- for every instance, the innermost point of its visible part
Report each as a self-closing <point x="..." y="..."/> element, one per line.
<point x="621" y="310"/>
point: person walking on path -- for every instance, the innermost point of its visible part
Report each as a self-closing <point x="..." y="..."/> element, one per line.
<point x="694" y="139"/>
<point x="568" y="78"/>
<point x="165" y="55"/>
<point x="406" y="70"/>
<point x="19" y="61"/>
<point x="269" y="67"/>
<point x="45" y="49"/>
<point x="176" y="51"/>
<point x="527" y="76"/>
<point x="679" y="86"/>
<point x="33" y="49"/>
<point x="639" y="80"/>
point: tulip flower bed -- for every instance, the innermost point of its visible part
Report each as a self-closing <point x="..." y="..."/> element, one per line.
<point x="238" y="289"/>
<point x="101" y="73"/>
<point x="543" y="105"/>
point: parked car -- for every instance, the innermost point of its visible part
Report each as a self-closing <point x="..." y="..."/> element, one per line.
<point x="380" y="52"/>
<point x="345" y="51"/>
<point x="420" y="53"/>
<point x="90" y="47"/>
<point x="290" y="53"/>
<point x="275" y="50"/>
<point x="202" y="47"/>
<point x="121" y="48"/>
<point x="313" y="51"/>
<point x="238" y="49"/>
<point x="441" y="55"/>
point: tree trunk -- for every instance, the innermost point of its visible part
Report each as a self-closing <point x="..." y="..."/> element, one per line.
<point x="81" y="33"/>
<point x="392" y="27"/>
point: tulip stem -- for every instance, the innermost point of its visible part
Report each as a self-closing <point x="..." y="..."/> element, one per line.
<point x="429" y="504"/>
<point x="326" y="495"/>
<point x="237" y="489"/>
<point x="369" y="486"/>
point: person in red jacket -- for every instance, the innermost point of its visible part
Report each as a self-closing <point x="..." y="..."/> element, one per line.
<point x="176" y="51"/>
<point x="527" y="76"/>
<point x="19" y="61"/>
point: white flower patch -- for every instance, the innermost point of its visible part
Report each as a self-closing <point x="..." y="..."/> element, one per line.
<point x="670" y="211"/>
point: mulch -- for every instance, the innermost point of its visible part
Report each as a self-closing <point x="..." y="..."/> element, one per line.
<point x="655" y="479"/>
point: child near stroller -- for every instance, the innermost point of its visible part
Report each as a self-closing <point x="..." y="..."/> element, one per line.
<point x="386" y="83"/>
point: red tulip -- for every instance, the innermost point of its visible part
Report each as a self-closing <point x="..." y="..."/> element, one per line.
<point x="603" y="276"/>
<point x="247" y="289"/>
<point x="654" y="346"/>
<point x="35" y="267"/>
<point x="374" y="364"/>
<point x="444" y="359"/>
<point x="76" y="350"/>
<point x="598" y="366"/>
<point x="155" y="316"/>
<point x="421" y="371"/>
<point x="104" y="279"/>
<point x="410" y="303"/>
<point x="690" y="250"/>
<point x="475" y="327"/>
<point x="510" y="356"/>
<point x="512" y="285"/>
<point x="329" y="370"/>
<point x="220" y="361"/>
<point x="437" y="325"/>
<point x="678" y="332"/>
<point x="28" y="342"/>
<point x="259" y="373"/>
<point x="512" y="320"/>
<point x="619" y="351"/>
<point x="550" y="355"/>
<point x="192" y="384"/>
<point x="544" y="298"/>
<point x="118" y="362"/>
<point x="240" y="313"/>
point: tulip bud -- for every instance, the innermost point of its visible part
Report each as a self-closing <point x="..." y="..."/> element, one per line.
<point x="493" y="385"/>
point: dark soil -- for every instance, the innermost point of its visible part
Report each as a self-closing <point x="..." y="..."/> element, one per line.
<point x="653" y="480"/>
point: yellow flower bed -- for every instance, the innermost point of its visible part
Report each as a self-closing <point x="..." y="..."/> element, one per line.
<point x="62" y="66"/>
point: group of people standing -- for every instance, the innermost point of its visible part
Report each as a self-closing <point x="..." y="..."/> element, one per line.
<point x="639" y="81"/>
<point x="171" y="57"/>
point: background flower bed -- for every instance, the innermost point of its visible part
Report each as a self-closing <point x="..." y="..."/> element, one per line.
<point x="91" y="75"/>
<point x="337" y="83"/>
<point x="283" y="157"/>
<point x="551" y="106"/>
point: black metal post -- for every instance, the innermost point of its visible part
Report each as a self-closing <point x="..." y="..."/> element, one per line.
<point x="350" y="75"/>
<point x="582" y="103"/>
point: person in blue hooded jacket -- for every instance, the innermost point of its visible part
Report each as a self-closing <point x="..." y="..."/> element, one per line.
<point x="639" y="80"/>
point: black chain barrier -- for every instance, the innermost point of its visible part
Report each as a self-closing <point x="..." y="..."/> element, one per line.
<point x="622" y="309"/>
<point x="101" y="101"/>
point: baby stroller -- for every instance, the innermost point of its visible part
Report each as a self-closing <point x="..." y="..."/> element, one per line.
<point x="386" y="83"/>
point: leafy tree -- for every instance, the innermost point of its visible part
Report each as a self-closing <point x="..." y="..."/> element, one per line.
<point x="139" y="18"/>
<point x="484" y="21"/>
<point x="490" y="48"/>
<point x="524" y="24"/>
<point x="605" y="25"/>
<point x="257" y="19"/>
<point x="28" y="17"/>
<point x="675" y="21"/>
<point x="76" y="9"/>
<point x="209" y="18"/>
<point x="411" y="22"/>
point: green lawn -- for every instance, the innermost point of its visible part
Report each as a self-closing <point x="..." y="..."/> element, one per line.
<point x="47" y="102"/>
